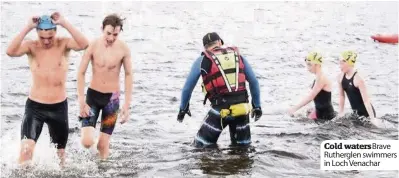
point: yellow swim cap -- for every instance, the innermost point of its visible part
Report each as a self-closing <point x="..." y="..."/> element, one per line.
<point x="314" y="58"/>
<point x="349" y="57"/>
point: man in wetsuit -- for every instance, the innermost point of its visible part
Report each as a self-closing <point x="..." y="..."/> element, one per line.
<point x="224" y="72"/>
<point x="350" y="82"/>
<point x="48" y="62"/>
<point x="107" y="55"/>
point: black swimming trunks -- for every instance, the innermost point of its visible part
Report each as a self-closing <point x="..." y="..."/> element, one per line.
<point x="54" y="115"/>
<point x="108" y="103"/>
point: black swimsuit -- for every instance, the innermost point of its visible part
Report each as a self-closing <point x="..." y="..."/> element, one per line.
<point x="108" y="103"/>
<point x="54" y="115"/>
<point x="355" y="97"/>
<point x="324" y="108"/>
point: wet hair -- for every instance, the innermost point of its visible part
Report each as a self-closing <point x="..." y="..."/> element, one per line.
<point x="113" y="20"/>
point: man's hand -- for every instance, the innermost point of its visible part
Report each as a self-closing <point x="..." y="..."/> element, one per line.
<point x="124" y="114"/>
<point x="182" y="113"/>
<point x="257" y="113"/>
<point x="84" y="109"/>
<point x="58" y="19"/>
<point x="33" y="22"/>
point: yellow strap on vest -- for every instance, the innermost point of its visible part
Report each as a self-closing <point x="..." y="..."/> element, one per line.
<point x="237" y="69"/>
<point x="221" y="71"/>
<point x="229" y="60"/>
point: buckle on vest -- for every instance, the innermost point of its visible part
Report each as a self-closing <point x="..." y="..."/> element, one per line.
<point x="228" y="99"/>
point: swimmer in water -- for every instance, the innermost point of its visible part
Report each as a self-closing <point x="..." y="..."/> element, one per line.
<point x="354" y="86"/>
<point x="320" y="93"/>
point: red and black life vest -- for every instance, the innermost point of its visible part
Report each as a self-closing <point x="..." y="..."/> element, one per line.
<point x="226" y="75"/>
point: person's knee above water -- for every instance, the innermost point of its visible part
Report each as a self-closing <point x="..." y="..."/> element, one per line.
<point x="107" y="55"/>
<point x="108" y="103"/>
<point x="224" y="74"/>
<point x="351" y="83"/>
<point x="321" y="90"/>
<point x="48" y="62"/>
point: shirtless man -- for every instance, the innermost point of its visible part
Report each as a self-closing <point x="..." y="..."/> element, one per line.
<point x="48" y="62"/>
<point x="107" y="55"/>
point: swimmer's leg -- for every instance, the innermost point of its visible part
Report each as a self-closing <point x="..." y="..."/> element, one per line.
<point x="26" y="151"/>
<point x="87" y="138"/>
<point x="103" y="145"/>
<point x="209" y="132"/>
<point x="58" y="128"/>
<point x="108" y="121"/>
<point x="240" y="132"/>
<point x="365" y="114"/>
<point x="88" y="126"/>
<point x="31" y="128"/>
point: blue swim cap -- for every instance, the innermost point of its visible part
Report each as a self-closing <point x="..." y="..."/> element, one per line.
<point x="45" y="23"/>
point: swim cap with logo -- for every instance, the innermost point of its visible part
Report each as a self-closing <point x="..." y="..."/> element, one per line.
<point x="314" y="58"/>
<point x="45" y="23"/>
<point x="349" y="57"/>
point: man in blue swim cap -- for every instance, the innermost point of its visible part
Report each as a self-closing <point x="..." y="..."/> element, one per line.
<point x="48" y="62"/>
<point x="46" y="30"/>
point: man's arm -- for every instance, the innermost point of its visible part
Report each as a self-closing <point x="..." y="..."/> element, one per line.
<point x="78" y="41"/>
<point x="191" y="81"/>
<point x="253" y="83"/>
<point x="84" y="63"/>
<point x="318" y="86"/>
<point x="127" y="64"/>
<point x="16" y="47"/>
<point x="341" y="96"/>
<point x="363" y="91"/>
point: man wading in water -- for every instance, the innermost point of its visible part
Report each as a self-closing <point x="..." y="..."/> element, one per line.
<point x="224" y="72"/>
<point x="107" y="55"/>
<point x="48" y="62"/>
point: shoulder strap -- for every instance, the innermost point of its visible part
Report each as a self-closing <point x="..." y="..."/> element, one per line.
<point x="237" y="67"/>
<point x="213" y="57"/>
<point x="353" y="76"/>
<point x="314" y="81"/>
<point x="237" y="64"/>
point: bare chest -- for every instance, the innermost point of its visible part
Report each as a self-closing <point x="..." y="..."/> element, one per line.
<point x="107" y="58"/>
<point x="53" y="59"/>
